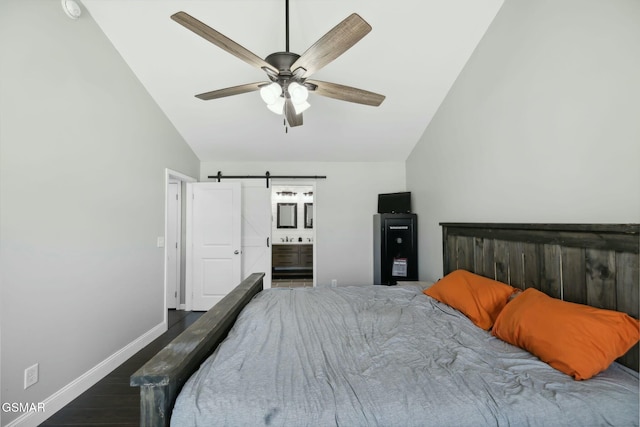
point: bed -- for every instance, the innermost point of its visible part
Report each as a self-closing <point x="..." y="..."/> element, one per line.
<point x="417" y="361"/>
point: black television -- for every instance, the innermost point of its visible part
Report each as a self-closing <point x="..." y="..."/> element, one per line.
<point x="394" y="202"/>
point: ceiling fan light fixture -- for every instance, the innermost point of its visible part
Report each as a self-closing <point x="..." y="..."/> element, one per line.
<point x="300" y="107"/>
<point x="298" y="93"/>
<point x="271" y="93"/>
<point x="277" y="106"/>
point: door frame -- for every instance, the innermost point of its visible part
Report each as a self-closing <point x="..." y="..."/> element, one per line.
<point x="304" y="183"/>
<point x="174" y="227"/>
<point x="172" y="175"/>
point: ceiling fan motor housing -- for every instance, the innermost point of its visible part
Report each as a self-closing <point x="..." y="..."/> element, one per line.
<point x="282" y="60"/>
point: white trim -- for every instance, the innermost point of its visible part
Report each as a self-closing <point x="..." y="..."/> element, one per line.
<point x="178" y="225"/>
<point x="180" y="176"/>
<point x="170" y="174"/>
<point x="75" y="388"/>
<point x="188" y="297"/>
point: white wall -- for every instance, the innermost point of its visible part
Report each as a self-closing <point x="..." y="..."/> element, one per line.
<point x="345" y="204"/>
<point x="542" y="125"/>
<point x="83" y="152"/>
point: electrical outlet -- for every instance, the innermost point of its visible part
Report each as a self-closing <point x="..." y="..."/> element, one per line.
<point x="30" y="376"/>
<point x="334" y="283"/>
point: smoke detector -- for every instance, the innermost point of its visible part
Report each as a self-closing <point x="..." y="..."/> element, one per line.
<point x="71" y="8"/>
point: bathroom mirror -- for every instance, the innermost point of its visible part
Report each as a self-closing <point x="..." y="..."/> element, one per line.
<point x="308" y="215"/>
<point x="287" y="215"/>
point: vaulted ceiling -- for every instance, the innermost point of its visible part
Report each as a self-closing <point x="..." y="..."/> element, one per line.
<point x="413" y="55"/>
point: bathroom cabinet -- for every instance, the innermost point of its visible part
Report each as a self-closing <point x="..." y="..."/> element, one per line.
<point x="292" y="260"/>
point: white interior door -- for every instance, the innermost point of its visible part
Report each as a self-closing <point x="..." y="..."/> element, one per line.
<point x="256" y="229"/>
<point x="172" y="243"/>
<point x="214" y="265"/>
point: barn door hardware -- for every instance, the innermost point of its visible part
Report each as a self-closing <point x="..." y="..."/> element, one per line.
<point x="267" y="176"/>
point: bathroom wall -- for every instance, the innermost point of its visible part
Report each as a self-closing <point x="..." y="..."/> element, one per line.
<point x="280" y="235"/>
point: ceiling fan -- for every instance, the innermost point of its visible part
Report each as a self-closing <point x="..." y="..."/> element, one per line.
<point x="288" y="72"/>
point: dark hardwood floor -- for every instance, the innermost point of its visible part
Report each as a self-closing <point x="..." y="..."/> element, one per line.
<point x="112" y="402"/>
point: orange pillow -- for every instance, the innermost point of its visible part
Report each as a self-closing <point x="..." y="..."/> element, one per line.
<point x="577" y="339"/>
<point x="479" y="298"/>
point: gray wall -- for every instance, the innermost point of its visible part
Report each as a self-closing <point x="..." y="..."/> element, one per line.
<point x="83" y="150"/>
<point x="542" y="125"/>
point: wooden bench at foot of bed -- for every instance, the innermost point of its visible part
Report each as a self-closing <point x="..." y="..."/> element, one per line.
<point x="161" y="378"/>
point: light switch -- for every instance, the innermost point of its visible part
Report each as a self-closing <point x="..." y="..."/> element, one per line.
<point x="160" y="242"/>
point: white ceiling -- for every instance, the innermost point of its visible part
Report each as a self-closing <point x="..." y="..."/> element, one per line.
<point x="413" y="55"/>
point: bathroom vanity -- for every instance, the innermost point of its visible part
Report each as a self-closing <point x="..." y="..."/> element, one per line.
<point x="292" y="260"/>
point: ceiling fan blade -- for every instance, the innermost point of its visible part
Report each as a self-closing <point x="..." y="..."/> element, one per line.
<point x="292" y="118"/>
<point x="346" y="93"/>
<point x="230" y="91"/>
<point x="333" y="44"/>
<point x="220" y="40"/>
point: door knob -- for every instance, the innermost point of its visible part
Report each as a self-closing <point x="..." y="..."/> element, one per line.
<point x="236" y="252"/>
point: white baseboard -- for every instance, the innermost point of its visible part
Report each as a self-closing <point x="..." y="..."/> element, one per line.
<point x="181" y="307"/>
<point x="75" y="388"/>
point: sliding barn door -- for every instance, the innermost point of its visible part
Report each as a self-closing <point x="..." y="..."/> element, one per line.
<point x="214" y="261"/>
<point x="256" y="230"/>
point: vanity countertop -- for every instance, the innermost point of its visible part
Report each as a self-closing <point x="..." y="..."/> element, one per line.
<point x="292" y="243"/>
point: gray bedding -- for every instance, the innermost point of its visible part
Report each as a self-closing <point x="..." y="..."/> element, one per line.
<point x="387" y="356"/>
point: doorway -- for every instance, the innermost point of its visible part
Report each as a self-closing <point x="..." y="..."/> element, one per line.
<point x="293" y="235"/>
<point x="174" y="241"/>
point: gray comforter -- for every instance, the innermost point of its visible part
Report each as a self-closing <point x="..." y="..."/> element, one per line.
<point x="387" y="356"/>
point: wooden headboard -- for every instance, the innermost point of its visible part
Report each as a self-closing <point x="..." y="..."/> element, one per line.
<point x="593" y="264"/>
